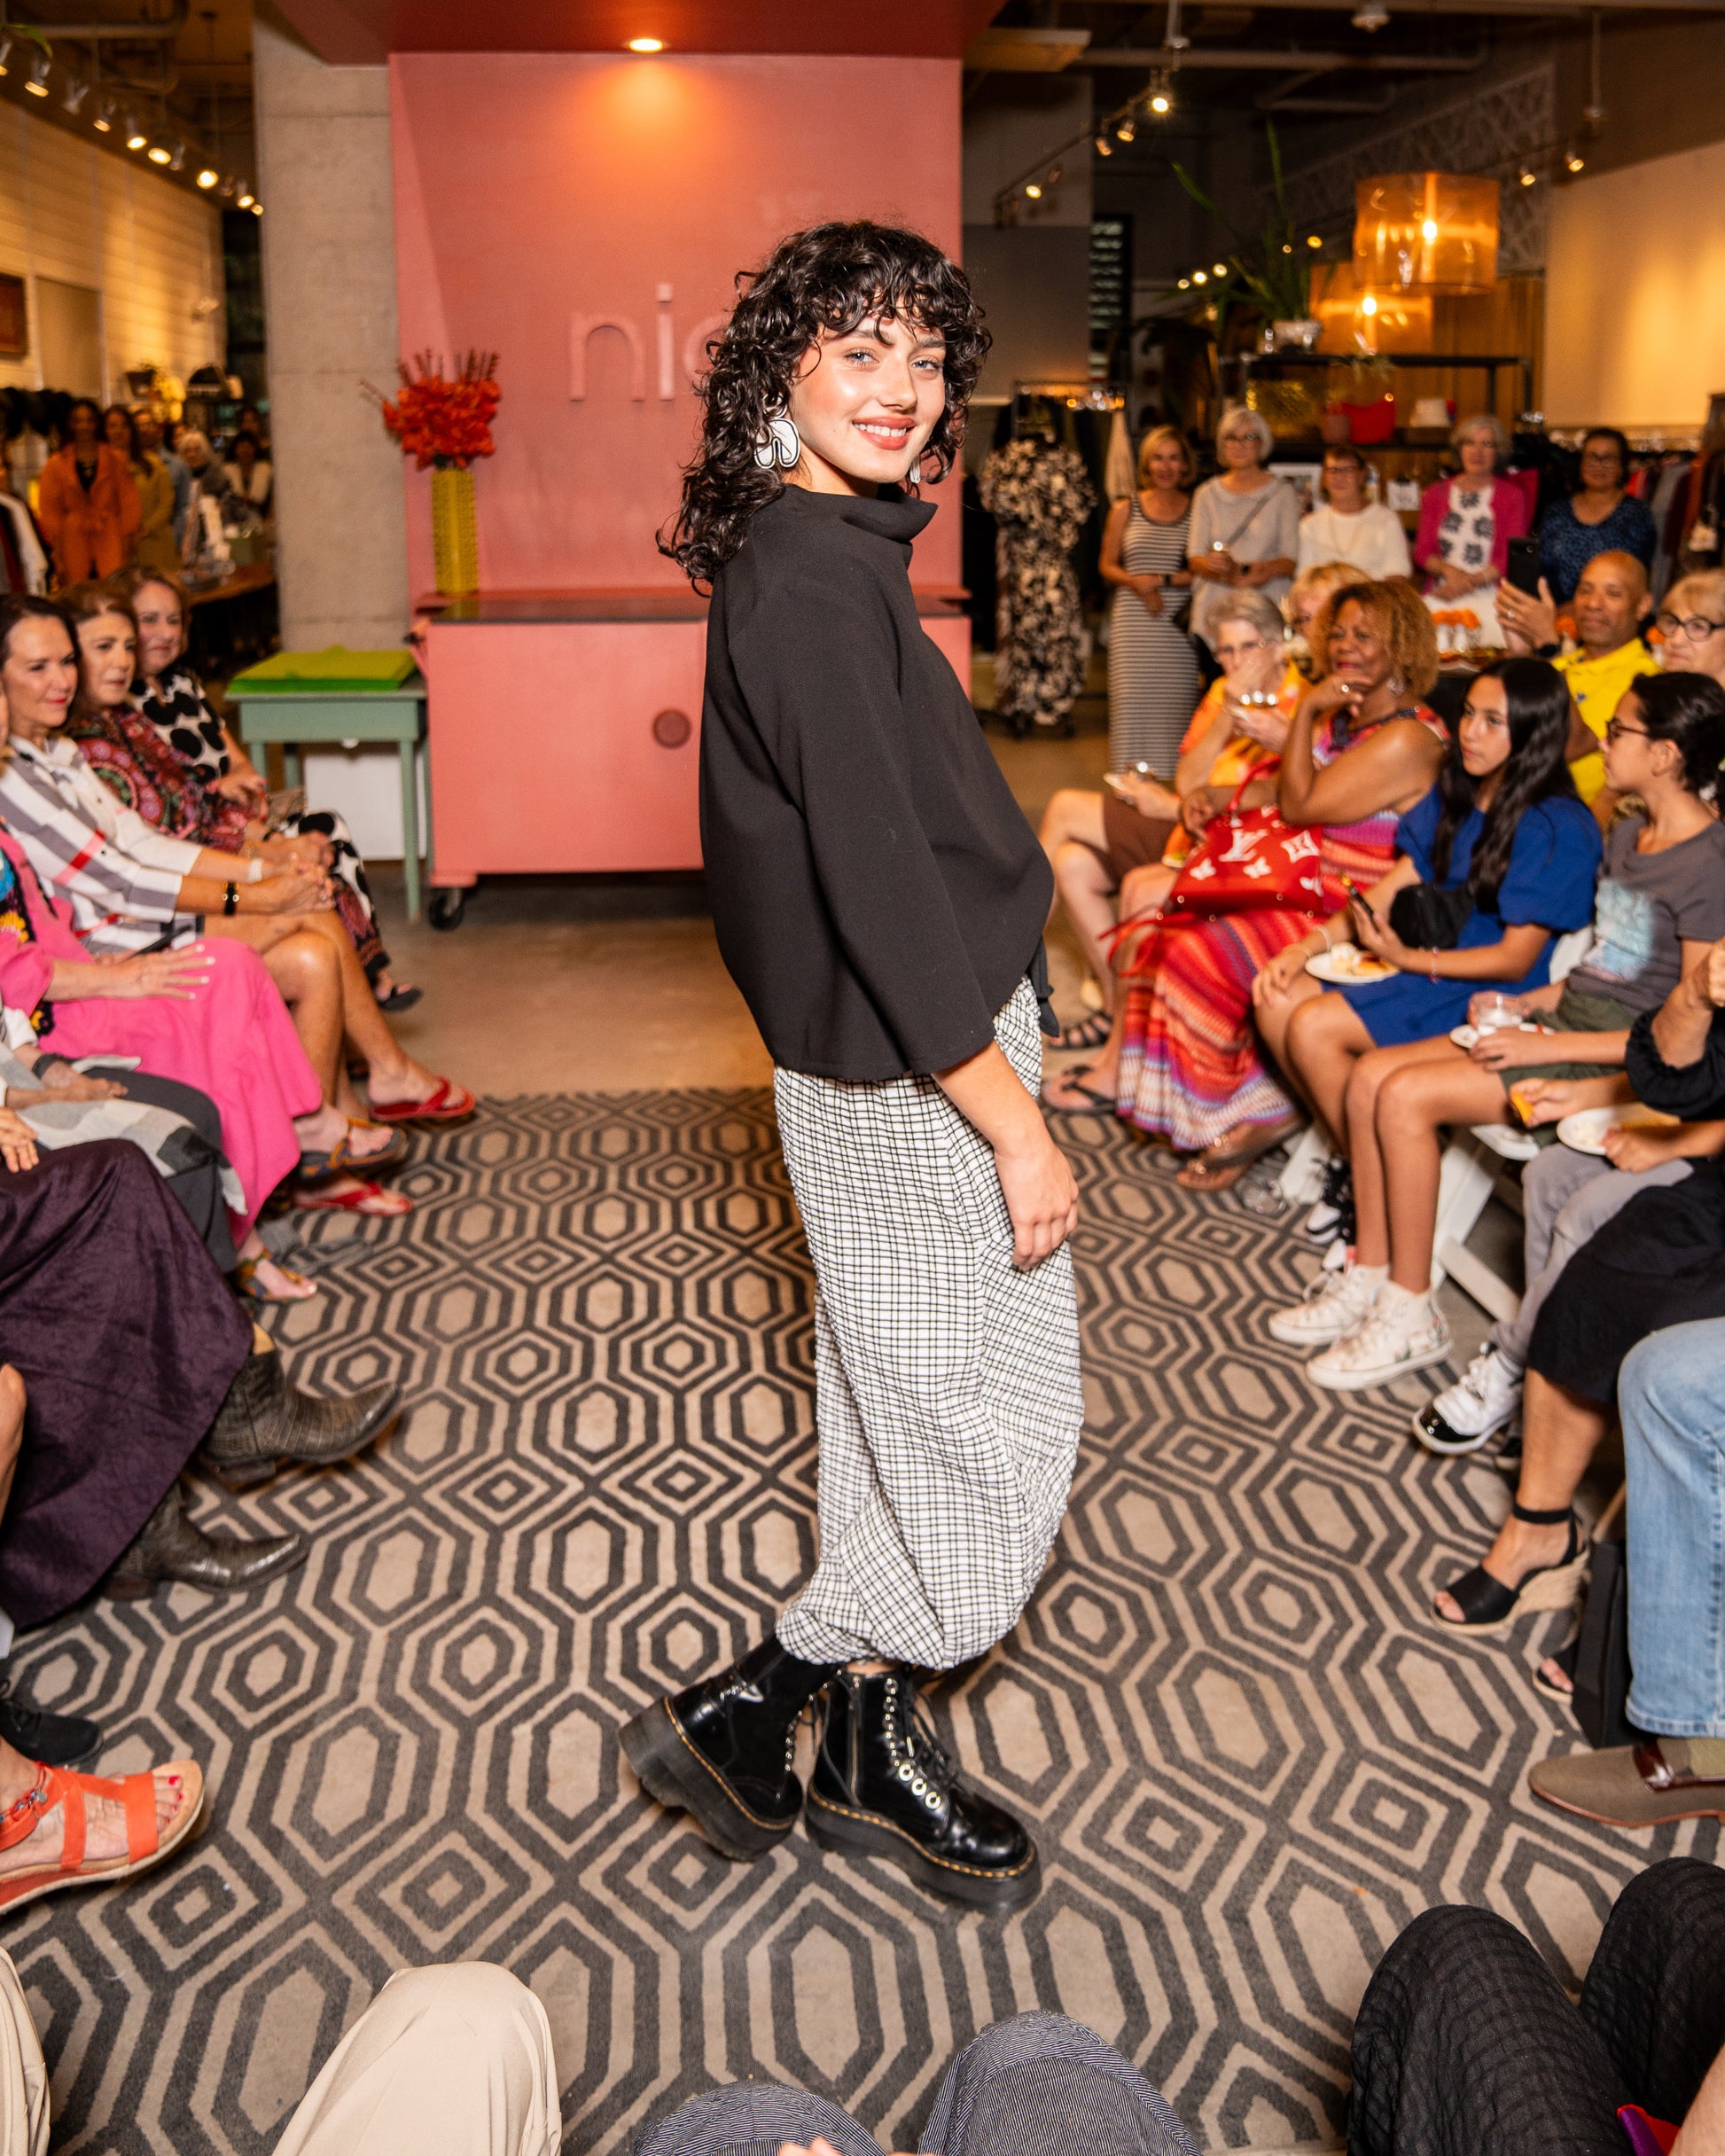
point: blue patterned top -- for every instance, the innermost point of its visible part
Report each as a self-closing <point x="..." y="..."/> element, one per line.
<point x="1567" y="545"/>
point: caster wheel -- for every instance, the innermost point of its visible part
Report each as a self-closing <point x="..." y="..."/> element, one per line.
<point x="448" y="908"/>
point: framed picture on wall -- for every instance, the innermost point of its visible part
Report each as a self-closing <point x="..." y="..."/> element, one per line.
<point x="14" y="318"/>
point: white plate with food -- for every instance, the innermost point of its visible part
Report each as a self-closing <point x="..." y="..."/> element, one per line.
<point x="1465" y="1036"/>
<point x="1585" y="1130"/>
<point x="1345" y="966"/>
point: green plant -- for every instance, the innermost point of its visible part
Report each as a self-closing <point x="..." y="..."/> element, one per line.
<point x="1274" y="270"/>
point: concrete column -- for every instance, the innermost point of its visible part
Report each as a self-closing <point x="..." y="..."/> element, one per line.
<point x="328" y="284"/>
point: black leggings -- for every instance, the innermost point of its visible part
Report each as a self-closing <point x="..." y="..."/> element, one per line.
<point x="197" y="1189"/>
<point x="1466" y="2042"/>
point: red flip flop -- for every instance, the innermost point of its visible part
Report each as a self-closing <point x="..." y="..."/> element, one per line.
<point x="370" y="1198"/>
<point x="450" y="1104"/>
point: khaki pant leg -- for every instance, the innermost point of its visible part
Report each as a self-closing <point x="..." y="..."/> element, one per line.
<point x="23" y="2075"/>
<point x="450" y="2061"/>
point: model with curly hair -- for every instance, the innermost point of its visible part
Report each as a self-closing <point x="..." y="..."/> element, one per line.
<point x="879" y="899"/>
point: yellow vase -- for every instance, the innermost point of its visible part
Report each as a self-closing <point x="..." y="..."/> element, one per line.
<point x="455" y="536"/>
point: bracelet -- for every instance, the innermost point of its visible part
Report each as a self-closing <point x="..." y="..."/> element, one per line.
<point x="231" y="898"/>
<point x="1324" y="933"/>
<point x="1432" y="966"/>
<point x="256" y="866"/>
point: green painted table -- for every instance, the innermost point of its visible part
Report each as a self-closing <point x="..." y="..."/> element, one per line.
<point x="298" y="717"/>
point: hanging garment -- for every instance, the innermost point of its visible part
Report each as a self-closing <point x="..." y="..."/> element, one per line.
<point x="26" y="539"/>
<point x="1120" y="468"/>
<point x="1040" y="497"/>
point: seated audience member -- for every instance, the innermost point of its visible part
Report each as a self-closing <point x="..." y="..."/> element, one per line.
<point x="1362" y="750"/>
<point x="1098" y="842"/>
<point x="455" y="2060"/>
<point x="1308" y="595"/>
<point x="1497" y="860"/>
<point x="1691" y="626"/>
<point x="1660" y="903"/>
<point x="1466" y="524"/>
<point x="1345" y="527"/>
<point x="1465" y="2043"/>
<point x="1033" y="2086"/>
<point x="170" y="697"/>
<point x="1600" y="518"/>
<point x="1658" y="1263"/>
<point x="206" y="1015"/>
<point x="131" y="889"/>
<point x="114" y="1319"/>
<point x="1671" y="1398"/>
<point x="1609" y="606"/>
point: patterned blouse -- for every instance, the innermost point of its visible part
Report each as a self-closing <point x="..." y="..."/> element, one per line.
<point x="179" y="709"/>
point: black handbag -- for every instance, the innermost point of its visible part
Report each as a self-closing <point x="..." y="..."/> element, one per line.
<point x="1428" y="918"/>
<point x="1601" y="1649"/>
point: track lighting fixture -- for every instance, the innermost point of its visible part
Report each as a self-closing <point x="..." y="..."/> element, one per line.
<point x="1372" y="16"/>
<point x="5" y="49"/>
<point x="1104" y="147"/>
<point x="209" y="177"/>
<point x="1526" y="176"/>
<point x="37" y="84"/>
<point x="1126" y="129"/>
<point x="1573" y="161"/>
<point x="76" y="94"/>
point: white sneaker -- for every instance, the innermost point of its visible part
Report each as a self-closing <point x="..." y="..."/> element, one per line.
<point x="1335" y="1304"/>
<point x="1403" y="1332"/>
<point x="1482" y="1400"/>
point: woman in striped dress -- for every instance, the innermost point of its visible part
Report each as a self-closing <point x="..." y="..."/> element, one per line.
<point x="1153" y="675"/>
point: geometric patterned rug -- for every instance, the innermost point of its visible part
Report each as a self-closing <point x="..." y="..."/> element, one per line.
<point x="1248" y="1757"/>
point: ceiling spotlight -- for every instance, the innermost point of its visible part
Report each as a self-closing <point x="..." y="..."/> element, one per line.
<point x="1053" y="176"/>
<point x="160" y="154"/>
<point x="227" y="189"/>
<point x="257" y="209"/>
<point x="1104" y="147"/>
<point x="177" y="163"/>
<point x="1126" y="129"/>
<point x="1368" y="305"/>
<point x="1162" y="93"/>
<point x="646" y="44"/>
<point x="209" y="177"/>
<point x="76" y="94"/>
<point x="247" y="199"/>
<point x="1372" y="15"/>
<point x="1526" y="176"/>
<point x="1185" y="283"/>
<point x="1428" y="231"/>
<point x="1573" y="160"/>
<point x="37" y="84"/>
<point x="104" y="120"/>
<point x="5" y="48"/>
<point x="1314" y="240"/>
<point x="136" y="138"/>
<point x="1219" y="269"/>
<point x="1200" y="278"/>
<point x="1035" y="191"/>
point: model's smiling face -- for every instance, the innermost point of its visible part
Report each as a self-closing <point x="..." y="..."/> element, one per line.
<point x="865" y="403"/>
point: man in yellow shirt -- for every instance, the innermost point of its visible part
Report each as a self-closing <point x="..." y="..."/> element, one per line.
<point x="1610" y="605"/>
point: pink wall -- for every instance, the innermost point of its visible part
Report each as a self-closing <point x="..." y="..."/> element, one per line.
<point x="536" y="194"/>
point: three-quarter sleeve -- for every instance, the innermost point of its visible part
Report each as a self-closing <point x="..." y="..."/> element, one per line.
<point x="824" y="698"/>
<point x="1693" y="1091"/>
<point x="71" y="854"/>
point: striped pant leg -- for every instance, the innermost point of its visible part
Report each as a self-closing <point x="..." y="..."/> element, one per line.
<point x="949" y="1399"/>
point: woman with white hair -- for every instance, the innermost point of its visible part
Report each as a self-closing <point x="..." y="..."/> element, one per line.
<point x="1245" y="522"/>
<point x="1466" y="524"/>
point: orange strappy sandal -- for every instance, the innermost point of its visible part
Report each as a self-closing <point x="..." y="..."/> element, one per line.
<point x="59" y="1785"/>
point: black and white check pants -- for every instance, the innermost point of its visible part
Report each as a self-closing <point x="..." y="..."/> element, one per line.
<point x="947" y="1383"/>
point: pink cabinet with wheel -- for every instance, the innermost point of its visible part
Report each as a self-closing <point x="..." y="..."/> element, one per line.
<point x="564" y="731"/>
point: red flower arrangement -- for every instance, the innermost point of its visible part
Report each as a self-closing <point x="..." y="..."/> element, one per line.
<point x="443" y="422"/>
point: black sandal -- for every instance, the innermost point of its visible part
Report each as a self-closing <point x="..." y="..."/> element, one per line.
<point x="1102" y="1103"/>
<point x="1486" y="1602"/>
<point x="1566" y="1658"/>
<point x="1089" y="1032"/>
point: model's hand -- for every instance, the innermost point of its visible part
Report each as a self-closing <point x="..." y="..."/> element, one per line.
<point x="178" y="973"/>
<point x="1151" y="592"/>
<point x="1041" y="1196"/>
<point x="1200" y="805"/>
<point x="64" y="1083"/>
<point x="17" y="1146"/>
<point x="1633" y="1151"/>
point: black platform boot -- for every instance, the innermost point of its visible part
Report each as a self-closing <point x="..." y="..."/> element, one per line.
<point x="883" y="1787"/>
<point x="724" y="1750"/>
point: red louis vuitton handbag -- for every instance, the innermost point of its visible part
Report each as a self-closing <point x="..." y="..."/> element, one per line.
<point x="1246" y="861"/>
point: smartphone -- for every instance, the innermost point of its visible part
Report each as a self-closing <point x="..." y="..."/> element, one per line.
<point x="1524" y="566"/>
<point x="1358" y="898"/>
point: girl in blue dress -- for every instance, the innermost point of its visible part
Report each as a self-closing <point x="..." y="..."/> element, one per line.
<point x="1504" y="846"/>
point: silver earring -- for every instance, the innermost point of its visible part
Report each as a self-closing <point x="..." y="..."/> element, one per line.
<point x="778" y="442"/>
<point x="913" y="478"/>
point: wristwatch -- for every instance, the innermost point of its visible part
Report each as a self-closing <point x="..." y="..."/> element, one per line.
<point x="231" y="898"/>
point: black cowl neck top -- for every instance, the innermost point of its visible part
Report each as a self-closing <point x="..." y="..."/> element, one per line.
<point x="877" y="891"/>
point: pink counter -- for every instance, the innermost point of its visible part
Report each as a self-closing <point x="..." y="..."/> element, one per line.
<point x="564" y="730"/>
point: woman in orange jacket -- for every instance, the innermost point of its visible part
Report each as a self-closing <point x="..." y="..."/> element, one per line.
<point x="87" y="505"/>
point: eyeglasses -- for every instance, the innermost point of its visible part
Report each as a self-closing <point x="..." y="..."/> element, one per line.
<point x="1616" y="730"/>
<point x="1225" y="652"/>
<point x="1603" y="456"/>
<point x="1696" y="627"/>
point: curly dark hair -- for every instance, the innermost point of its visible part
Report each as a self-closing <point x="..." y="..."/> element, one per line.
<point x="827" y="279"/>
<point x="1536" y="698"/>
